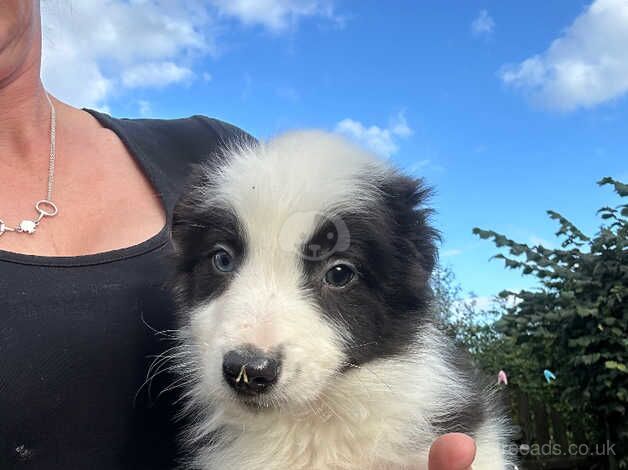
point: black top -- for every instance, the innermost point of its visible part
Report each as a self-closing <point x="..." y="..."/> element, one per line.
<point x="77" y="333"/>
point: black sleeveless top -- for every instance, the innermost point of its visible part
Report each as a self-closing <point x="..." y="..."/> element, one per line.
<point x="77" y="334"/>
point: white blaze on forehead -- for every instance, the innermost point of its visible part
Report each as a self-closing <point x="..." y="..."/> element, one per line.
<point x="280" y="189"/>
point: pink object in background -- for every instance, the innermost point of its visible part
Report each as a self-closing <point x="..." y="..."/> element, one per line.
<point x="502" y="378"/>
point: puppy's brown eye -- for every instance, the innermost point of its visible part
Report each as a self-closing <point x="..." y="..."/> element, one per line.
<point x="223" y="261"/>
<point x="339" y="275"/>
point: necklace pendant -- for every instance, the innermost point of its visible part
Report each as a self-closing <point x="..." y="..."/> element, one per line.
<point x="27" y="226"/>
<point x="3" y="228"/>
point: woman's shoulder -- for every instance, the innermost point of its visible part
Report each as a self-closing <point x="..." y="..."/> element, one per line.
<point x="167" y="149"/>
<point x="190" y="133"/>
<point x="192" y="139"/>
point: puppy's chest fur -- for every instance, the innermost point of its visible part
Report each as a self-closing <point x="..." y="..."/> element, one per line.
<point x="311" y="444"/>
<point x="345" y="433"/>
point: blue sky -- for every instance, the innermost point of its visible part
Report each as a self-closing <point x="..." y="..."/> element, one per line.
<point x="507" y="108"/>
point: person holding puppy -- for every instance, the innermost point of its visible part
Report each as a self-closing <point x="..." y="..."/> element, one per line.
<point x="85" y="202"/>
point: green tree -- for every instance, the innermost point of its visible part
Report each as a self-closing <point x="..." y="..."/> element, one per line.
<point x="576" y="322"/>
<point x="476" y="330"/>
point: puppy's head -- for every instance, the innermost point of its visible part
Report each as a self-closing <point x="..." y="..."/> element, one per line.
<point x="298" y="260"/>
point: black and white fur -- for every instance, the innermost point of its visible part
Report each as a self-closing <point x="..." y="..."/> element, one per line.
<point x="367" y="381"/>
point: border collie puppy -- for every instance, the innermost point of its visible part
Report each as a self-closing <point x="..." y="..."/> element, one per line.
<point x="307" y="340"/>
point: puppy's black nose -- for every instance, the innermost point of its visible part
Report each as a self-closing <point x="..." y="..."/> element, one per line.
<point x="250" y="370"/>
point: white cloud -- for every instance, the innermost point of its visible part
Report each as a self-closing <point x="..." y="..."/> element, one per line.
<point x="144" y="107"/>
<point x="96" y="49"/>
<point x="450" y="253"/>
<point x="476" y="303"/>
<point x="399" y="125"/>
<point x="418" y="166"/>
<point x="483" y="24"/>
<point x="380" y="140"/>
<point x="155" y="74"/>
<point x="586" y="66"/>
<point x="536" y="240"/>
<point x="374" y="137"/>
<point x="481" y="302"/>
<point x="276" y="15"/>
<point x="96" y="46"/>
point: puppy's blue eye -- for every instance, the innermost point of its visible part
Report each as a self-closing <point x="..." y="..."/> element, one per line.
<point x="339" y="275"/>
<point x="223" y="261"/>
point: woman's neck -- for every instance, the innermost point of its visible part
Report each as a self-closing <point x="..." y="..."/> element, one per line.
<point x="24" y="109"/>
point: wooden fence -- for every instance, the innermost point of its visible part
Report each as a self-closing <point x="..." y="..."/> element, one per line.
<point x="545" y="441"/>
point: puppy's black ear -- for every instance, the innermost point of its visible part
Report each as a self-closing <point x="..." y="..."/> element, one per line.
<point x="406" y="199"/>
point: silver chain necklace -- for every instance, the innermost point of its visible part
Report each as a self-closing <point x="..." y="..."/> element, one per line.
<point x="44" y="207"/>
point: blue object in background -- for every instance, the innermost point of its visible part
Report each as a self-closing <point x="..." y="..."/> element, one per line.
<point x="549" y="376"/>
